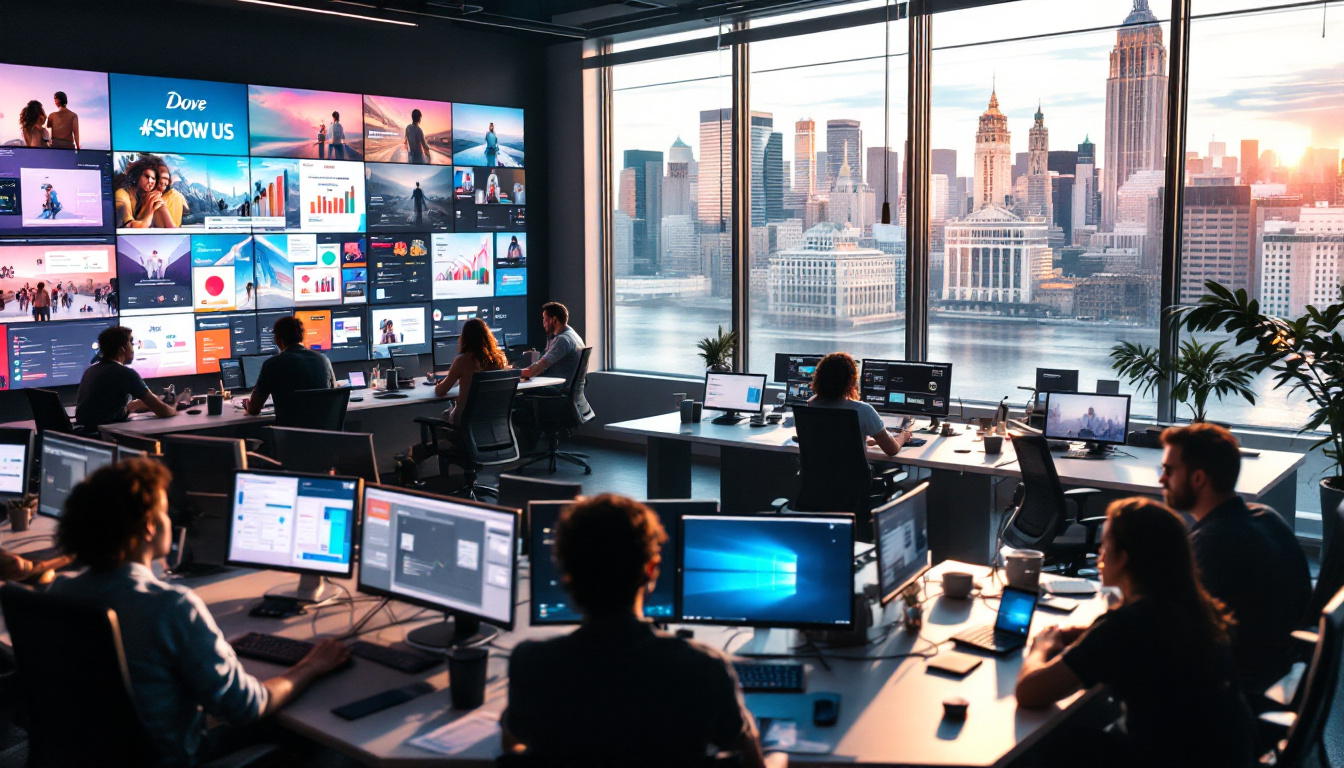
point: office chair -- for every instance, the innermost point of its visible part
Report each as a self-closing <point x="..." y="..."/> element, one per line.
<point x="1040" y="518"/>
<point x="834" y="474"/>
<point x="48" y="413"/>
<point x="1330" y="580"/>
<point x="72" y="669"/>
<point x="483" y="435"/>
<point x="1316" y="732"/>
<point x="314" y="409"/>
<point x="515" y="491"/>
<point x="559" y="414"/>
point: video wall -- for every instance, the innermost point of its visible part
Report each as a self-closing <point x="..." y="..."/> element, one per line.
<point x="197" y="213"/>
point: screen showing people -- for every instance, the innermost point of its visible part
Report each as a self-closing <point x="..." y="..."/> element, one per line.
<point x="898" y="386"/>
<point x="1094" y="418"/>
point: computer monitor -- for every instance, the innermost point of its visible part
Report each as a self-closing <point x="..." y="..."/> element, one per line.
<point x="200" y="465"/>
<point x="445" y="351"/>
<point x="1108" y="387"/>
<point x="408" y="363"/>
<point x="16" y="446"/>
<point x="447" y="554"/>
<point x="550" y="600"/>
<point x="734" y="394"/>
<point x="252" y="368"/>
<point x="900" y="386"/>
<point x="231" y="373"/>
<point x="770" y="571"/>
<point x="323" y="452"/>
<point x="295" y="522"/>
<point x="1056" y="380"/>
<point x="66" y="460"/>
<point x="901" y="530"/>
<point x="128" y="442"/>
<point x="1101" y="420"/>
<point x="795" y="371"/>
<point x="356" y="380"/>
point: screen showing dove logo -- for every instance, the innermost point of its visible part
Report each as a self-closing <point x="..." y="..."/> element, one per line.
<point x="161" y="114"/>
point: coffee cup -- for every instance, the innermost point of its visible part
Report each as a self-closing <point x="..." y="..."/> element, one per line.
<point x="1024" y="568"/>
<point x="687" y="408"/>
<point x="466" y="676"/>
<point x="214" y="404"/>
<point x="993" y="443"/>
<point x="958" y="584"/>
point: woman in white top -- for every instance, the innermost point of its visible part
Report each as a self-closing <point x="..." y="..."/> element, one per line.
<point x="477" y="351"/>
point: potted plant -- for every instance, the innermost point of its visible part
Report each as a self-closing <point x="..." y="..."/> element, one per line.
<point x="1305" y="354"/>
<point x="718" y="350"/>
<point x="1199" y="370"/>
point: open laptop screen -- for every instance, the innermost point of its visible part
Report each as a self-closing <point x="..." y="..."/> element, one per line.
<point x="1015" y="609"/>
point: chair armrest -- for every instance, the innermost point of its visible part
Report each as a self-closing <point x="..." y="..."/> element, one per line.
<point x="1284" y="692"/>
<point x="1088" y="522"/>
<point x="1081" y="492"/>
<point x="1282" y="720"/>
<point x="1306" y="636"/>
<point x="891" y="472"/>
<point x="432" y="421"/>
<point x="261" y="461"/>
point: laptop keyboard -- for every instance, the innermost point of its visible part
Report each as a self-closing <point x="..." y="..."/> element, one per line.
<point x="978" y="636"/>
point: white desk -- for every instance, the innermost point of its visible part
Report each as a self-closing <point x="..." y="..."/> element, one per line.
<point x="756" y="466"/>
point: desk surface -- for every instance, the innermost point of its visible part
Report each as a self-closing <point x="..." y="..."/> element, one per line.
<point x="890" y="709"/>
<point x="1137" y="473"/>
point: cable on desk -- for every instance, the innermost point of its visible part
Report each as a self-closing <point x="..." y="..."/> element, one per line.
<point x="733" y="637"/>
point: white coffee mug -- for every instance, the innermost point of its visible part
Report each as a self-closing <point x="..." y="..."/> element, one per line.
<point x="1024" y="568"/>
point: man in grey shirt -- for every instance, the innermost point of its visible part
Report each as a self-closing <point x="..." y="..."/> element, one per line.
<point x="562" y="346"/>
<point x="182" y="669"/>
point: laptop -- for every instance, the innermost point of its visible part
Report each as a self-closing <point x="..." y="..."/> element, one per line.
<point x="1010" y="629"/>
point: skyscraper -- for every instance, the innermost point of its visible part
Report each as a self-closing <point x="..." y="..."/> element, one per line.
<point x="844" y="144"/>
<point x="1218" y="240"/>
<point x="993" y="157"/>
<point x="881" y="159"/>
<point x="1136" y="105"/>
<point x="713" y="190"/>
<point x="773" y="171"/>
<point x="647" y="185"/>
<point x="1086" y="211"/>
<point x="944" y="163"/>
<point x="804" y="156"/>
<point x="762" y="125"/>
<point x="1038" y="201"/>
<point x="823" y="173"/>
<point x="677" y="184"/>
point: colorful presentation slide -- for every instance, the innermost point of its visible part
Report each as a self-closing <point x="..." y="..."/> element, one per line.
<point x="165" y="345"/>
<point x="399" y="269"/>
<point x="222" y="273"/>
<point x="348" y="340"/>
<point x="51" y="354"/>
<point x="511" y="282"/>
<point x="275" y="256"/>
<point x="487" y="136"/>
<point x="29" y="95"/>
<point x="490" y="186"/>
<point x="354" y="266"/>
<point x="316" y="328"/>
<point x="221" y="335"/>
<point x="406" y="327"/>
<point x="406" y="198"/>
<point x="161" y="114"/>
<point x="449" y="316"/>
<point x="274" y="202"/>
<point x="511" y="250"/>
<point x="154" y="274"/>
<point x="207" y="192"/>
<point x="510" y="314"/>
<point x="408" y="131"/>
<point x="463" y="265"/>
<point x="78" y="277"/>
<point x="48" y="192"/>
<point x="319" y="281"/>
<point x="294" y="122"/>
<point x="331" y="196"/>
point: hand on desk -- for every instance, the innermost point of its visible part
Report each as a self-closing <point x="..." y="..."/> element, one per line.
<point x="325" y="657"/>
<point x="1055" y="639"/>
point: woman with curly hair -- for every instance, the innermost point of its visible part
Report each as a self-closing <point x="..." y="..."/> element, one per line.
<point x="138" y="198"/>
<point x="477" y="350"/>
<point x="33" y="124"/>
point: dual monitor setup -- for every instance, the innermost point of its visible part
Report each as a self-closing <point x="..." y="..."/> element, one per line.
<point x="1100" y="419"/>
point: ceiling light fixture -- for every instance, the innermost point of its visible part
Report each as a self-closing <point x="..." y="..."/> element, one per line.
<point x="330" y="13"/>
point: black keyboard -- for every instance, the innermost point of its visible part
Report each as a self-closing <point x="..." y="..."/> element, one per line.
<point x="757" y="677"/>
<point x="409" y="662"/>
<point x="277" y="650"/>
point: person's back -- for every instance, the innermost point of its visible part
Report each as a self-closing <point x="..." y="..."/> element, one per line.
<point x="42" y="298"/>
<point x="564" y="349"/>
<point x="104" y="391"/>
<point x="297" y="367"/>
<point x="870" y="423"/>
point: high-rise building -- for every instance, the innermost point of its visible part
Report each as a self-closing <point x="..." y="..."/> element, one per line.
<point x="677" y="184"/>
<point x="1217" y="240"/>
<point x="714" y="188"/>
<point x="1086" y="196"/>
<point x="804" y="156"/>
<point x="993" y="157"/>
<point x="851" y="201"/>
<point x="681" y="246"/>
<point x="823" y="173"/>
<point x="762" y="125"/>
<point x="844" y="144"/>
<point x="881" y="160"/>
<point x="622" y="245"/>
<point x="1136" y="105"/>
<point x="944" y="163"/>
<point x="1300" y="261"/>
<point x="1250" y="161"/>
<point x="1139" y="209"/>
<point x="832" y="282"/>
<point x="995" y="257"/>
<point x="1039" y="202"/>
<point x="772" y="169"/>
<point x="647" y="209"/>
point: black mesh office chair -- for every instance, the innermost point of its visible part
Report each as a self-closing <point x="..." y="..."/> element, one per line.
<point x="483" y="435"/>
<point x="515" y="491"/>
<point x="48" y="413"/>
<point x="1040" y="517"/>
<point x="314" y="409"/>
<point x="559" y="414"/>
<point x="1316" y="732"/>
<point x="834" y="473"/>
<point x="71" y="669"/>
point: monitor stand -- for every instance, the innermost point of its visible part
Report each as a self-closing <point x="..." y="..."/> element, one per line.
<point x="768" y="642"/>
<point x="729" y="417"/>
<point x="455" y="631"/>
<point x="1097" y="450"/>
<point x="307" y="592"/>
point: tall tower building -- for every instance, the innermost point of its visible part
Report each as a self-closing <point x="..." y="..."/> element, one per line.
<point x="1086" y="210"/>
<point x="773" y="171"/>
<point x="1038" y="169"/>
<point x="1250" y="161"/>
<point x="1136" y="105"/>
<point x="646" y="183"/>
<point x="677" y="183"/>
<point x="823" y="173"/>
<point x="762" y="125"/>
<point x="804" y="156"/>
<point x="844" y="144"/>
<point x="993" y="157"/>
<point x="713" y="188"/>
<point x="880" y="160"/>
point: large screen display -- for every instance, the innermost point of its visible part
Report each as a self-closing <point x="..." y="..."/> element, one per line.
<point x="294" y="122"/>
<point x="408" y="131"/>
<point x="51" y="354"/>
<point x="154" y="274"/>
<point x="408" y="198"/>
<point x="80" y="123"/>
<point x="487" y="136"/>
<point x="77" y="277"/>
<point x="222" y="335"/>
<point x="399" y="268"/>
<point x="197" y="192"/>
<point x="401" y="329"/>
<point x="55" y="192"/>
<point x="222" y="273"/>
<point x="463" y="265"/>
<point x="162" y="114"/>
<point x="165" y="345"/>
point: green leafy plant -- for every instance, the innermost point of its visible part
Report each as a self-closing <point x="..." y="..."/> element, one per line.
<point x="1306" y="354"/>
<point x="1199" y="370"/>
<point x="718" y="350"/>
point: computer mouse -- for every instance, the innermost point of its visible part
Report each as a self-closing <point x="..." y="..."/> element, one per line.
<point x="356" y="399"/>
<point x="955" y="708"/>
<point x="194" y="411"/>
<point x="825" y="709"/>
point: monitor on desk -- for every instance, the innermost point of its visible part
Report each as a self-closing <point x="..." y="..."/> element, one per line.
<point x="408" y="363"/>
<point x="323" y="452"/>
<point x="231" y="373"/>
<point x="128" y="442"/>
<point x="16" y="446"/>
<point x="66" y="460"/>
<point x="734" y="394"/>
<point x="1101" y="420"/>
<point x="901" y="386"/>
<point x="300" y="523"/>
<point x="795" y="371"/>
<point x="201" y="465"/>
<point x="775" y="571"/>
<point x="1055" y="380"/>
<point x="901" y="530"/>
<point x="445" y="351"/>
<point x="252" y="368"/>
<point x="442" y="553"/>
<point x="550" y="600"/>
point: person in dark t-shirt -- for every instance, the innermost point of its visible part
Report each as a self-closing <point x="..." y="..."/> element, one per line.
<point x="1164" y="652"/>
<point x="111" y="390"/>
<point x="296" y="367"/>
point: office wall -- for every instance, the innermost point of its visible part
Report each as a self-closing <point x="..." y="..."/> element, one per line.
<point x="248" y="44"/>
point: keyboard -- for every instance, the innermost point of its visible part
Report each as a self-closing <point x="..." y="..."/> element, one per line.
<point x="1083" y="453"/>
<point x="986" y="639"/>
<point x="272" y="648"/>
<point x="758" y="677"/>
<point x="409" y="662"/>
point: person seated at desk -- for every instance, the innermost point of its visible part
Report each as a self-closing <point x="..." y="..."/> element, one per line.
<point x="1248" y="559"/>
<point x="1165" y="653"/>
<point x="295" y="367"/>
<point x="563" y="345"/>
<point x="477" y="351"/>
<point x="181" y="667"/>
<point x="111" y="390"/>
<point x="835" y="384"/>
<point x="616" y="691"/>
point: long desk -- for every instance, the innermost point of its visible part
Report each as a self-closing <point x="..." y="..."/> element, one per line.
<point x="890" y="709"/>
<point x="757" y="465"/>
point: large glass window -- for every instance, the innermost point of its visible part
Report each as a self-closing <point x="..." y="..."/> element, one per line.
<point x="1048" y="169"/>
<point x="1264" y="209"/>
<point x="672" y="209"/>
<point x="826" y="274"/>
